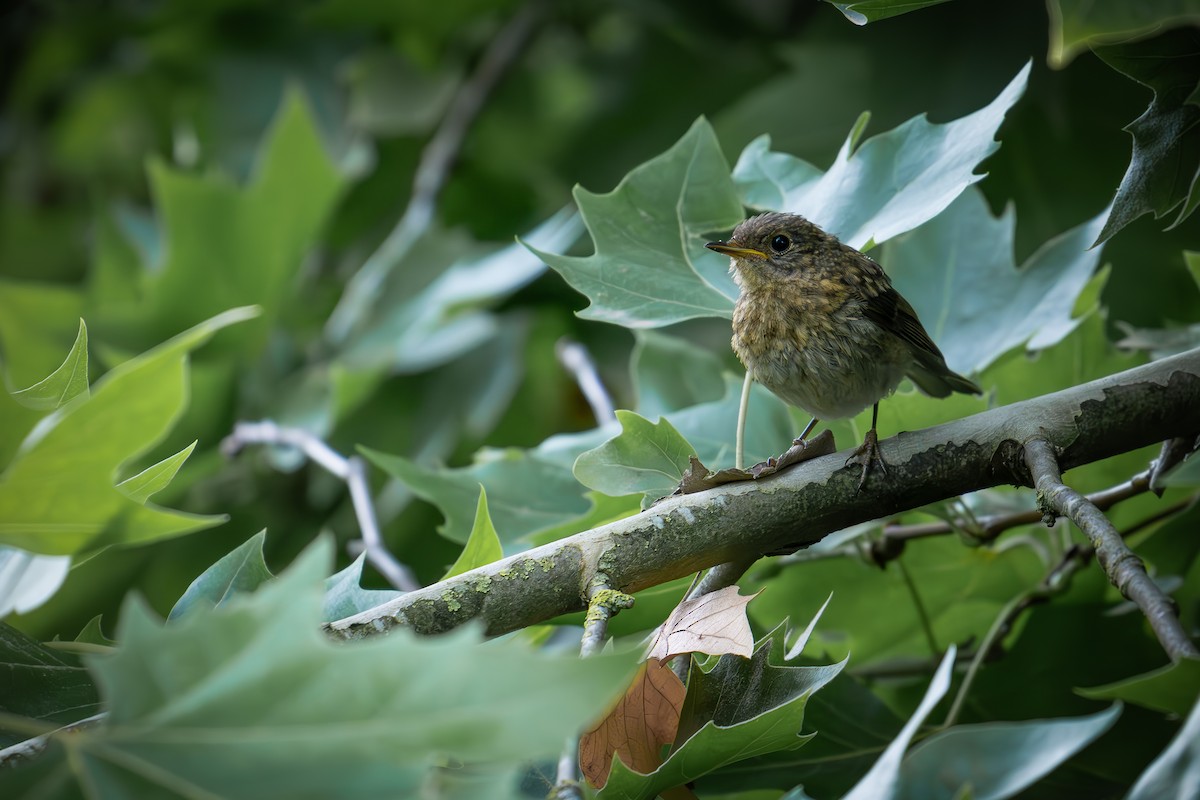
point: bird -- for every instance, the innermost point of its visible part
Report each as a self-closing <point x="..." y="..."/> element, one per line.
<point x="820" y="325"/>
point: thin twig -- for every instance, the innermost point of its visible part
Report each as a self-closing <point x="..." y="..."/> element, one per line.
<point x="603" y="604"/>
<point x="431" y="174"/>
<point x="992" y="526"/>
<point x="575" y="359"/>
<point x="350" y="470"/>
<point x="922" y="613"/>
<point x="1123" y="568"/>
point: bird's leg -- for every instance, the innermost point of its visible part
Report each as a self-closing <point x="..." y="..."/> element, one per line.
<point x="800" y="440"/>
<point x="868" y="452"/>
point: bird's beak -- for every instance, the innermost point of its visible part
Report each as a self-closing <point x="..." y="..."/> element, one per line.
<point x="735" y="251"/>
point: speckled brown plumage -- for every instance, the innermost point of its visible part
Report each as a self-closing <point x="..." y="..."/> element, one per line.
<point x="820" y="324"/>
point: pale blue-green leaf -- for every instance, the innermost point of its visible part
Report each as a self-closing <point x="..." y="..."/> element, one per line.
<point x="250" y="700"/>
<point x="483" y="545"/>
<point x="996" y="760"/>
<point x="431" y="309"/>
<point x="891" y="184"/>
<point x="1175" y="774"/>
<point x="670" y="373"/>
<point x="882" y="781"/>
<point x="345" y="597"/>
<point x="66" y="383"/>
<point x="1171" y="689"/>
<point x="650" y="267"/>
<point x="645" y="457"/>
<point x="957" y="270"/>
<point x="27" y="580"/>
<point x="155" y="478"/>
<point x="241" y="570"/>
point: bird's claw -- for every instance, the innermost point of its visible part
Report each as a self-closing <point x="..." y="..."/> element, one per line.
<point x="868" y="453"/>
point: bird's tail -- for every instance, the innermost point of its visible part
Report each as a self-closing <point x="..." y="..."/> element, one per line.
<point x="938" y="380"/>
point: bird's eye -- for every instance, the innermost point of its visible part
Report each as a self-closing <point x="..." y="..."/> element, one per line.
<point x="780" y="243"/>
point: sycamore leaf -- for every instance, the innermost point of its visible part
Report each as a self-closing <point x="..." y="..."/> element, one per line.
<point x="241" y="570"/>
<point x="714" y="623"/>
<point x="345" y="597"/>
<point x="526" y="493"/>
<point x="957" y="270"/>
<point x="225" y="245"/>
<point x="1164" y="170"/>
<point x="1176" y="772"/>
<point x="670" y="373"/>
<point x="66" y="383"/>
<point x="1076" y="25"/>
<point x="996" y="760"/>
<point x="645" y="457"/>
<point x="891" y="184"/>
<point x="42" y="683"/>
<point x="483" y="545"/>
<point x="861" y="12"/>
<point x="650" y="267"/>
<point x="644" y="720"/>
<point x="880" y="781"/>
<point x="27" y="580"/>
<point x="1172" y="689"/>
<point x="155" y="478"/>
<point x="250" y="700"/>
<point x="739" y="709"/>
<point x="57" y="496"/>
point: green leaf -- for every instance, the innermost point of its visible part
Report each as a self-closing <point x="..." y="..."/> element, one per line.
<point x="880" y="782"/>
<point x="670" y="373"/>
<point x="738" y="709"/>
<point x="645" y="457"/>
<point x="650" y="267"/>
<point x="891" y="184"/>
<point x="526" y="494"/>
<point x="345" y="597"/>
<point x="155" y="478"/>
<point x="431" y="309"/>
<point x="36" y="323"/>
<point x="42" y="683"/>
<point x="957" y="270"/>
<point x="228" y="245"/>
<point x="1163" y="170"/>
<point x="249" y="700"/>
<point x="1172" y="689"/>
<point x="241" y="570"/>
<point x="1175" y="774"/>
<point x="58" y="497"/>
<point x="28" y="580"/>
<point x="483" y="545"/>
<point x="63" y="385"/>
<point x="861" y="12"/>
<point x="996" y="760"/>
<point x="1076" y="25"/>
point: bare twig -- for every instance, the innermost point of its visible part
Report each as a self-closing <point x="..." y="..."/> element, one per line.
<point x="351" y="470"/>
<point x="989" y="527"/>
<point x="432" y="171"/>
<point x="1123" y="568"/>
<point x="603" y="604"/>
<point x="1173" y="452"/>
<point x="575" y="359"/>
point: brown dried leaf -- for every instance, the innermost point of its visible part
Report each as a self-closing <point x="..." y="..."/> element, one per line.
<point x="714" y="623"/>
<point x="643" y="721"/>
<point x="698" y="477"/>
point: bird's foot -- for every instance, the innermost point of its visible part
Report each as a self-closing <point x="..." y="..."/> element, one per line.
<point x="868" y="453"/>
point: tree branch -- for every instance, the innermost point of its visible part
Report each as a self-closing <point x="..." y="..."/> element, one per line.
<point x="1123" y="568"/>
<point x="801" y="505"/>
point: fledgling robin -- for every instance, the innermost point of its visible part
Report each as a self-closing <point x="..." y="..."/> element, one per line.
<point x="820" y="325"/>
